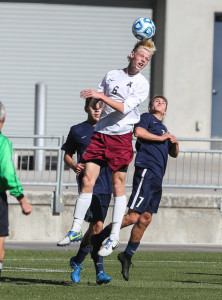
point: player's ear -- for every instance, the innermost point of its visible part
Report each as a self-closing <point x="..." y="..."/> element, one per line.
<point x="132" y="54"/>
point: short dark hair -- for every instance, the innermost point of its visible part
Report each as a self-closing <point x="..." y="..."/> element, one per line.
<point x="158" y="96"/>
<point x="87" y="103"/>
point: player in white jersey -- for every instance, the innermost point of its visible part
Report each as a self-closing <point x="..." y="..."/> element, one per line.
<point x="131" y="90"/>
<point x="120" y="93"/>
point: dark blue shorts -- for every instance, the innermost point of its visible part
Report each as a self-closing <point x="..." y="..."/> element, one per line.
<point x="3" y="215"/>
<point x="98" y="208"/>
<point x="147" y="191"/>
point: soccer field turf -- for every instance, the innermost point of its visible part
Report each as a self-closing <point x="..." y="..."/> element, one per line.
<point x="154" y="275"/>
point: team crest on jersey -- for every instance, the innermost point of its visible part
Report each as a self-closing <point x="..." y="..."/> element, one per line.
<point x="129" y="84"/>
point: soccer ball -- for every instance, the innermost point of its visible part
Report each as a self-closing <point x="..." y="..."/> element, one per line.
<point x="143" y="29"/>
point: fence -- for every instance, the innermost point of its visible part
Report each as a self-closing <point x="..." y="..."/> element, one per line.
<point x="198" y="166"/>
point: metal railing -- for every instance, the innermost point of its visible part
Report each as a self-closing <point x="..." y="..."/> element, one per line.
<point x="197" y="165"/>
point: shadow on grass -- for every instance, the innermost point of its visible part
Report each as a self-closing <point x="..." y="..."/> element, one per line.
<point x="26" y="281"/>
<point x="199" y="282"/>
<point x="207" y="274"/>
<point x="22" y="281"/>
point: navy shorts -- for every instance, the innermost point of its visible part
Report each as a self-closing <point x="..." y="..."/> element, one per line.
<point x="147" y="191"/>
<point x="3" y="215"/>
<point x="98" y="208"/>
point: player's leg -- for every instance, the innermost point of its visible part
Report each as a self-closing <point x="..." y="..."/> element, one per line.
<point x="134" y="242"/>
<point x="145" y="199"/>
<point x="76" y="261"/>
<point x="119" y="208"/>
<point x="97" y="214"/>
<point x="4" y="224"/>
<point x="2" y="251"/>
<point x="83" y="202"/>
<point x="129" y="218"/>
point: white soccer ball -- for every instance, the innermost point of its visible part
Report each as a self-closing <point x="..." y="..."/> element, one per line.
<point x="143" y="29"/>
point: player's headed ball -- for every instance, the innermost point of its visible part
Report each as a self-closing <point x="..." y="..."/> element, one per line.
<point x="143" y="29"/>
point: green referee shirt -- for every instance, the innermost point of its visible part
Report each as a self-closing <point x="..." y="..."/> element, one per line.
<point x="8" y="178"/>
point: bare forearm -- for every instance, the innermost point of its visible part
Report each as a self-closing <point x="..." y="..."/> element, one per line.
<point x="144" y="134"/>
<point x="69" y="162"/>
<point x="76" y="167"/>
<point x="119" y="106"/>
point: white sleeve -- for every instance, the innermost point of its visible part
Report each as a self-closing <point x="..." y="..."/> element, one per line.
<point x="137" y="97"/>
<point x="101" y="87"/>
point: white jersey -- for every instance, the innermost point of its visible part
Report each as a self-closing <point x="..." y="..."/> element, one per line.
<point x="131" y="90"/>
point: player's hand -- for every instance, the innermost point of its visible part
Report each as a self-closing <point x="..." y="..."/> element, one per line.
<point x="78" y="168"/>
<point x="173" y="139"/>
<point x="25" y="206"/>
<point x="165" y="136"/>
<point x="90" y="93"/>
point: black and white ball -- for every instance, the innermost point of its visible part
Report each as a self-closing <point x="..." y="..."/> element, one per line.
<point x="143" y="29"/>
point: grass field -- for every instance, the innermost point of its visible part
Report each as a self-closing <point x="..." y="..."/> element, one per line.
<point x="154" y="275"/>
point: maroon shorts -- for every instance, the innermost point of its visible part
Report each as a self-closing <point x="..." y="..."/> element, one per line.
<point x="114" y="150"/>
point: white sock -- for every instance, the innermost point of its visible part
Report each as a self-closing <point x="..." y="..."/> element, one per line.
<point x="82" y="204"/>
<point x="0" y="265"/>
<point x="118" y="213"/>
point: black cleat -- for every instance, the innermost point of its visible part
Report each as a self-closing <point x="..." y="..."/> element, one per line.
<point x="96" y="243"/>
<point x="126" y="262"/>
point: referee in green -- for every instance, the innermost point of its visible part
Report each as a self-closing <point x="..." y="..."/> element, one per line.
<point x="8" y="181"/>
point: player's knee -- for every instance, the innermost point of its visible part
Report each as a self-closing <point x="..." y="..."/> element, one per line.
<point x="87" y="181"/>
<point x="134" y="218"/>
<point x="2" y="254"/>
<point x="145" y="219"/>
<point x="97" y="227"/>
<point x="118" y="188"/>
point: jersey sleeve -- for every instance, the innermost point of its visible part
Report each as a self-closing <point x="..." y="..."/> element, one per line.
<point x="102" y="85"/>
<point x="138" y="95"/>
<point x="9" y="179"/>
<point x="144" y="121"/>
<point x="70" y="145"/>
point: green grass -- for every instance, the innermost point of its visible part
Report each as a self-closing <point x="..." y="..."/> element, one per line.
<point x="167" y="275"/>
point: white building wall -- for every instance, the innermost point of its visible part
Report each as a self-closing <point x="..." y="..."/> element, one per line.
<point x="188" y="60"/>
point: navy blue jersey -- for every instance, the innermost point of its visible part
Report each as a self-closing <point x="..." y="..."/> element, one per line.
<point x="78" y="139"/>
<point x="152" y="155"/>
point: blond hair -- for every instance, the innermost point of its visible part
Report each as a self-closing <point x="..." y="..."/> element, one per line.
<point x="146" y="44"/>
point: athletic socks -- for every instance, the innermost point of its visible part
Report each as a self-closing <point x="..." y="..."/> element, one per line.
<point x="131" y="248"/>
<point x="0" y="268"/>
<point x="82" y="204"/>
<point x="118" y="213"/>
<point x="105" y="233"/>
<point x="81" y="254"/>
<point x="99" y="264"/>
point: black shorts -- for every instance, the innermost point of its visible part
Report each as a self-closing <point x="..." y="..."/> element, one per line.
<point x="147" y="191"/>
<point x="3" y="215"/>
<point x="98" y="208"/>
